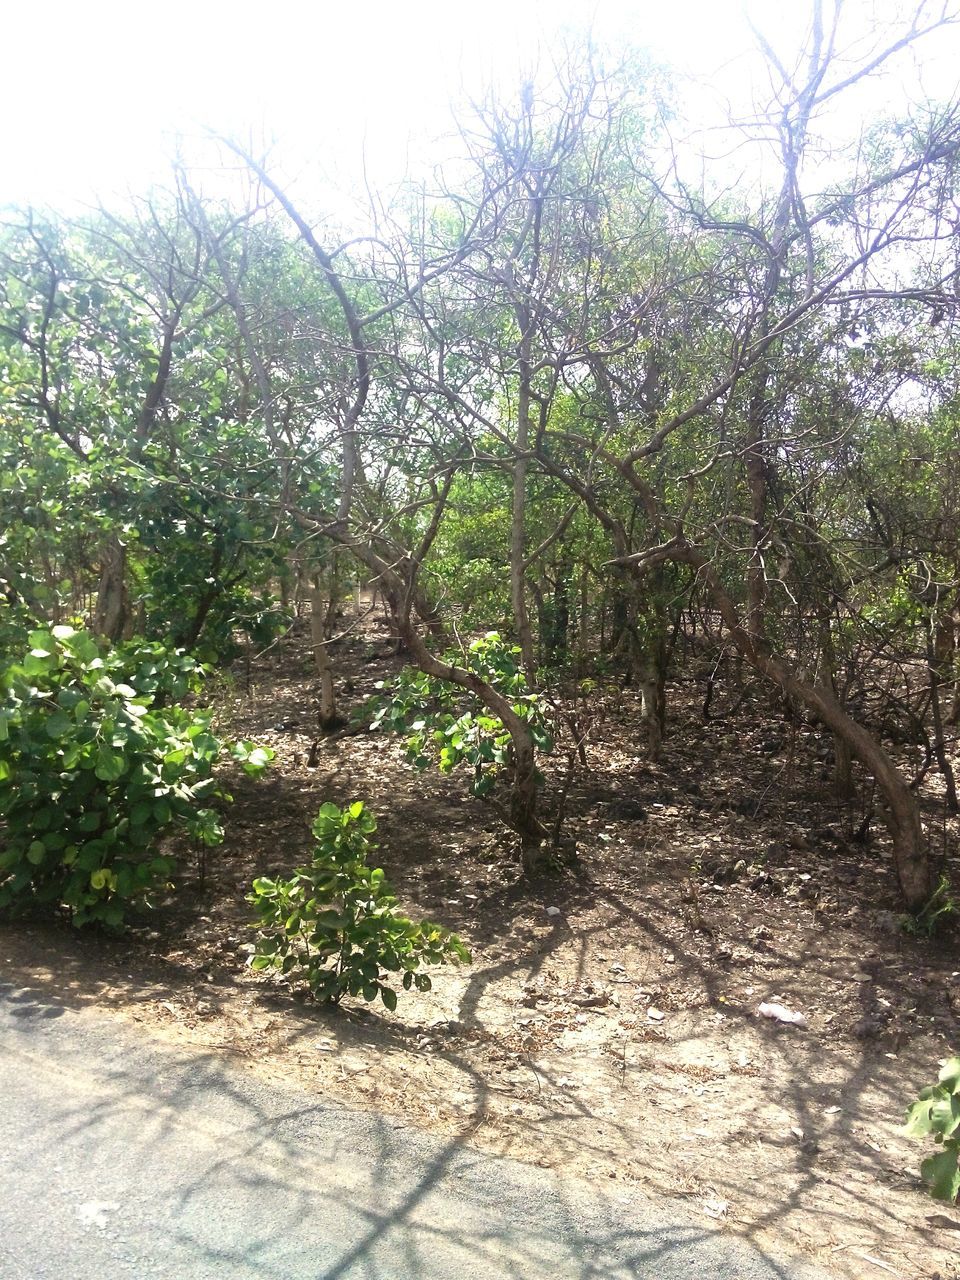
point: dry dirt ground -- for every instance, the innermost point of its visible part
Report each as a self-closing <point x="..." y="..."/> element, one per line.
<point x="607" y="1025"/>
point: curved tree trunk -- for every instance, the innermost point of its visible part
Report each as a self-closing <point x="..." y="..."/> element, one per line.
<point x="525" y="790"/>
<point x="401" y="597"/>
<point x="911" y="856"/>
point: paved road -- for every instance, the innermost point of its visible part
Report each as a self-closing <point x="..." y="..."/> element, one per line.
<point x="121" y="1157"/>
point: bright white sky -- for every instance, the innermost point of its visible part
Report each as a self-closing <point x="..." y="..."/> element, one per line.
<point x="96" y="90"/>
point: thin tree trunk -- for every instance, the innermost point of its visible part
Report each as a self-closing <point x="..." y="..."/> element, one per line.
<point x="110" y="616"/>
<point x="946" y="649"/>
<point x="648" y="683"/>
<point x="583" y="622"/>
<point x="843" y="759"/>
<point x="328" y="718"/>
<point x="934" y="675"/>
<point x="518" y="585"/>
<point x="913" y="864"/>
<point x="334" y="596"/>
<point x="525" y="787"/>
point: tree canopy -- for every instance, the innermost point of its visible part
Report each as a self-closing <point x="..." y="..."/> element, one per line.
<point x="553" y="390"/>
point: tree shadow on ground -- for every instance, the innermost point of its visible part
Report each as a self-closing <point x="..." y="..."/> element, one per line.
<point x="275" y="1186"/>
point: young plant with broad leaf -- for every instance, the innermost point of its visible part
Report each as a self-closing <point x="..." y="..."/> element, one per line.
<point x="936" y="1113"/>
<point x="336" y="922"/>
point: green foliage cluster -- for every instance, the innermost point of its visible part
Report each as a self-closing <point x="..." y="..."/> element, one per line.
<point x="201" y="561"/>
<point x="92" y="338"/>
<point x="94" y="767"/>
<point x="431" y="715"/>
<point x="939" y="910"/>
<point x="337" y="920"/>
<point x="937" y="1112"/>
<point x="45" y="518"/>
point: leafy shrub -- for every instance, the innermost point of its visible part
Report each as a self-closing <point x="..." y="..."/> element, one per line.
<point x="15" y="622"/>
<point x="441" y="721"/>
<point x="937" y="1112"/>
<point x="166" y="674"/>
<point x="337" y="919"/>
<point x="93" y="768"/>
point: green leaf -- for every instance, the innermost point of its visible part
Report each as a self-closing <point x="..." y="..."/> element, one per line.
<point x="36" y="852"/>
<point x="110" y="765"/>
<point x="42" y="644"/>
<point x="389" y="999"/>
<point x="57" y="724"/>
<point x="37" y="663"/>
<point x="83" y="647"/>
<point x="257" y="760"/>
<point x="945" y="1114"/>
<point x="942" y="1173"/>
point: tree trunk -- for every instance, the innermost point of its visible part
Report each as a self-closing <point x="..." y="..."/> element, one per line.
<point x="945" y="647"/>
<point x="935" y="677"/>
<point x="911" y="857"/>
<point x="650" y="718"/>
<point x="561" y="613"/>
<point x="110" y="616"/>
<point x="327" y="717"/>
<point x="645" y="637"/>
<point x="334" y="596"/>
<point x="583" y="622"/>
<point x="518" y="577"/>
<point x="843" y="759"/>
<point x="525" y="788"/>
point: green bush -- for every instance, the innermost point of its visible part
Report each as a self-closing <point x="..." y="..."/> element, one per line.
<point x="443" y="722"/>
<point x="337" y="919"/>
<point x="937" y="1112"/>
<point x="93" y="768"/>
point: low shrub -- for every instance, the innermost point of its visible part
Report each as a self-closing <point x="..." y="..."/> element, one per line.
<point x="937" y="1112"/>
<point x="94" y="768"/>
<point x="337" y="922"/>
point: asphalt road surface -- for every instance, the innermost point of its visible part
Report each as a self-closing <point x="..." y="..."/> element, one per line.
<point x="123" y="1157"/>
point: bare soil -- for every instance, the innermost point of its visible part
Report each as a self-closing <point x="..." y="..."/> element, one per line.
<point x="608" y="1024"/>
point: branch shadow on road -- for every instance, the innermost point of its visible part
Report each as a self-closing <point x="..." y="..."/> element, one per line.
<point x="274" y="1186"/>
